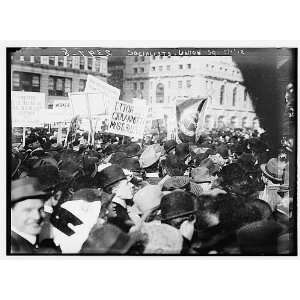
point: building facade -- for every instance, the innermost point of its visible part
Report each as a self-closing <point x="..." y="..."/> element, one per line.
<point x="163" y="79"/>
<point x="56" y="76"/>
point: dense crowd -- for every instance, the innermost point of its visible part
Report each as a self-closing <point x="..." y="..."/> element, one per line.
<point x="228" y="194"/>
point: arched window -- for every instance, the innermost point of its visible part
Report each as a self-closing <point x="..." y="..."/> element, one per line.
<point x="234" y="96"/>
<point x="160" y="91"/>
<point x="233" y="122"/>
<point x="222" y="91"/>
<point x="221" y="122"/>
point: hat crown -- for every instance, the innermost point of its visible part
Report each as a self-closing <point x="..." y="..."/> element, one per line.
<point x="110" y="175"/>
<point x="177" y="204"/>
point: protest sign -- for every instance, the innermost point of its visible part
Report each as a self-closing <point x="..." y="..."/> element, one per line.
<point x="128" y="119"/>
<point x="26" y="107"/>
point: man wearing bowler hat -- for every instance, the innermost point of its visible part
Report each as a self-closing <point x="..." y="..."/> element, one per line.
<point x="113" y="180"/>
<point x="27" y="213"/>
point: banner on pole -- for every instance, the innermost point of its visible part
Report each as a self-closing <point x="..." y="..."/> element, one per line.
<point x="26" y="107"/>
<point x="98" y="104"/>
<point x="95" y="85"/>
<point x="128" y="119"/>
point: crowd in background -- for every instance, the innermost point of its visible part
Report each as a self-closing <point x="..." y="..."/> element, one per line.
<point x="229" y="193"/>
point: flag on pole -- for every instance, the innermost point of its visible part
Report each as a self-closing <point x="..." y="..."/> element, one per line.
<point x="190" y="118"/>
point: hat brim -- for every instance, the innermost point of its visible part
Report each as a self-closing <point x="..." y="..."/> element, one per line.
<point x="263" y="168"/>
<point x="179" y="215"/>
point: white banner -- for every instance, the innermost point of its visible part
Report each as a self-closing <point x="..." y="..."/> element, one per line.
<point x="128" y="119"/>
<point x="98" y="105"/>
<point x="26" y="107"/>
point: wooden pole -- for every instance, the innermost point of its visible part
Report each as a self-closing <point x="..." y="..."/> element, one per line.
<point x="24" y="136"/>
<point x="90" y="118"/>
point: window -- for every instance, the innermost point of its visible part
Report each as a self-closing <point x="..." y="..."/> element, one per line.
<point x="37" y="59"/>
<point x="90" y="63"/>
<point x="52" y="60"/>
<point x="169" y="84"/>
<point x="160" y="93"/>
<point x="135" y="86"/>
<point x="141" y="85"/>
<point x="160" y="68"/>
<point x="82" y="83"/>
<point x="180" y="67"/>
<point x="234" y="96"/>
<point x="142" y="70"/>
<point x="136" y="59"/>
<point x="189" y="66"/>
<point x="151" y="85"/>
<point x="98" y="64"/>
<point x="168" y="67"/>
<point x="153" y="57"/>
<point x="28" y="82"/>
<point x="188" y="83"/>
<point x="222" y="91"/>
<point x="59" y="86"/>
<point x="206" y="84"/>
<point x="135" y="70"/>
<point x="81" y="63"/>
<point x="27" y="58"/>
<point x="69" y="61"/>
<point x="142" y="58"/>
<point x="16" y="80"/>
<point x="61" y="61"/>
<point x="212" y="66"/>
<point x="153" y="68"/>
<point x="68" y="85"/>
<point x="180" y="84"/>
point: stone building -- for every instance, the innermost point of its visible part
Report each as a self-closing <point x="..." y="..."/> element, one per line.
<point x="163" y="79"/>
<point x="56" y="76"/>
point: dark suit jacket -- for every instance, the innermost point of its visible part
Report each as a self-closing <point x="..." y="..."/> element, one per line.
<point x="20" y="245"/>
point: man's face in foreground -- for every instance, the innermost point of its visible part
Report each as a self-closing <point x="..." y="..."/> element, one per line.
<point x="27" y="216"/>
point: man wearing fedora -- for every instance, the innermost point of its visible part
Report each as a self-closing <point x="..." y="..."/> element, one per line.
<point x="27" y="213"/>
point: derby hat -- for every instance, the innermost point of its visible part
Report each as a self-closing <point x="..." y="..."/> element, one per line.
<point x="177" y="204"/>
<point x="26" y="188"/>
<point x="109" y="176"/>
<point x="273" y="169"/>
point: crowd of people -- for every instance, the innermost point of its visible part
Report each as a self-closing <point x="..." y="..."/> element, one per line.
<point x="228" y="194"/>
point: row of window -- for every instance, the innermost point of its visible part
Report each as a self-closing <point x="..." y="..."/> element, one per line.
<point x="179" y="84"/>
<point x="234" y="95"/>
<point x="212" y="67"/>
<point x="160" y="68"/>
<point x="57" y="86"/>
<point x="69" y="63"/>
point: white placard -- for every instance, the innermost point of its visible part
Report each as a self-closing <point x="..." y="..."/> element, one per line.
<point x="26" y="107"/>
<point x="128" y="119"/>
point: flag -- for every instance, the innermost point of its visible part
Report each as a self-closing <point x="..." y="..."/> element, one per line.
<point x="190" y="118"/>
